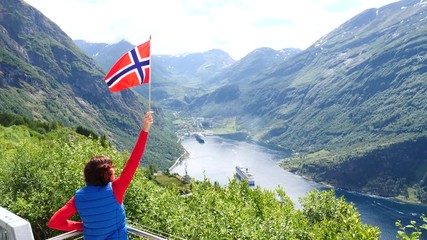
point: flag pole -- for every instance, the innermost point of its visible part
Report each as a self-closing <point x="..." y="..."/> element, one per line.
<point x="149" y="80"/>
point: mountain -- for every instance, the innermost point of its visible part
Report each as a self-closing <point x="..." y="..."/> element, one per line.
<point x="357" y="93"/>
<point x="256" y="62"/>
<point x="104" y="54"/>
<point x="45" y="76"/>
<point x="361" y="83"/>
<point x="195" y="68"/>
<point x="225" y="86"/>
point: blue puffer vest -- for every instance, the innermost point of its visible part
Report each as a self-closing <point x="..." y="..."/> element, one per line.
<point x="103" y="217"/>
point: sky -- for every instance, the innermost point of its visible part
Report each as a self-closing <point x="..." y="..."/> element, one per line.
<point x="187" y="26"/>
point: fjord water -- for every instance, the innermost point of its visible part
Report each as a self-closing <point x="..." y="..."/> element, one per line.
<point x="217" y="158"/>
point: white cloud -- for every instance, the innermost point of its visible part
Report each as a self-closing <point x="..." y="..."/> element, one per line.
<point x="235" y="26"/>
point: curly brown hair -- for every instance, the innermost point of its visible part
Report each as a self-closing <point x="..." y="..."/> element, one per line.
<point x="98" y="171"/>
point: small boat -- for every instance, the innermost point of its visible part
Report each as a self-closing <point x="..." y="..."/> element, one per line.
<point x="199" y="137"/>
<point x="244" y="174"/>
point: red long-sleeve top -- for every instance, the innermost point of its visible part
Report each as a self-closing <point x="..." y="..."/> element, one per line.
<point x="60" y="220"/>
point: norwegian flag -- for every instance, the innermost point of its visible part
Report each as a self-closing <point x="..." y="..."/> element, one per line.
<point x="132" y="69"/>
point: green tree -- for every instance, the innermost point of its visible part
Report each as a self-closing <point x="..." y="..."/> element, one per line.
<point x="411" y="231"/>
<point x="153" y="168"/>
<point x="334" y="218"/>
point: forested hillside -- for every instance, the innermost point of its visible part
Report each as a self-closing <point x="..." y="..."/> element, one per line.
<point x="45" y="76"/>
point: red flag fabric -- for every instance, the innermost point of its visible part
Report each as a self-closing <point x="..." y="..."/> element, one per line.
<point x="132" y="69"/>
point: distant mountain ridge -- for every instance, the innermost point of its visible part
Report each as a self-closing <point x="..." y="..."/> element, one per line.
<point x="45" y="76"/>
<point x="204" y="64"/>
<point x="252" y="64"/>
<point x="104" y="54"/>
<point x="187" y="66"/>
<point x="179" y="79"/>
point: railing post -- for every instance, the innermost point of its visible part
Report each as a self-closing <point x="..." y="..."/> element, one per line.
<point x="14" y="227"/>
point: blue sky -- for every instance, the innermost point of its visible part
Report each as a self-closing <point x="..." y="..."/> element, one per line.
<point x="181" y="26"/>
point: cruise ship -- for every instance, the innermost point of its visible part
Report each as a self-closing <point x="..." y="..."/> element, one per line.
<point x="243" y="173"/>
<point x="199" y="137"/>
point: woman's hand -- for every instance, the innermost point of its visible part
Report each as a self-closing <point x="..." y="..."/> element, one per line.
<point x="148" y="121"/>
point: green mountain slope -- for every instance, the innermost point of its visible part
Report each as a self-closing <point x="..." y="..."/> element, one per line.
<point x="363" y="82"/>
<point x="44" y="76"/>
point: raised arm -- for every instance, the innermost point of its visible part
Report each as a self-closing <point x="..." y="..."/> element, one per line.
<point x="121" y="184"/>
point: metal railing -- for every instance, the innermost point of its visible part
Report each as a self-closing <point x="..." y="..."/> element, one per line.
<point x="130" y="229"/>
<point x="141" y="233"/>
<point x="67" y="235"/>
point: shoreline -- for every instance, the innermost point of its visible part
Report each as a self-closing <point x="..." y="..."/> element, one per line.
<point x="183" y="156"/>
<point x="394" y="199"/>
<point x="179" y="159"/>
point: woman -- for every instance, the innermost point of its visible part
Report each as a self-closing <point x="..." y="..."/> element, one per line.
<point x="100" y="203"/>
